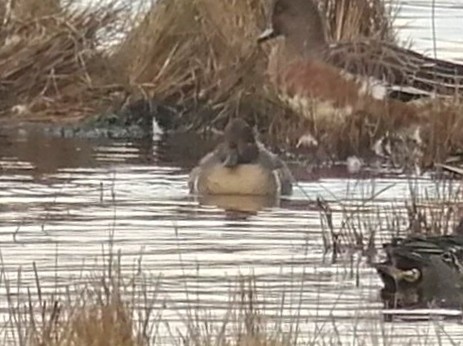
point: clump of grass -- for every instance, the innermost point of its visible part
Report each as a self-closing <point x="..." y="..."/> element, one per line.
<point x="204" y="53"/>
<point x="111" y="306"/>
<point x="52" y="64"/>
<point x="96" y="310"/>
<point x="442" y="130"/>
<point x="200" y="56"/>
<point x="197" y="52"/>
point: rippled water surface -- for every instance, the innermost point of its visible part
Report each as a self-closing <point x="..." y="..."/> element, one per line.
<point x="61" y="199"/>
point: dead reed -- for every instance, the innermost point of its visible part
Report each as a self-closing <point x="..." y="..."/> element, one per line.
<point x="203" y="55"/>
<point x="52" y="65"/>
<point x="351" y="20"/>
<point x="198" y="53"/>
<point x="58" y="62"/>
<point x="95" y="310"/>
<point x="114" y="307"/>
<point x="432" y="210"/>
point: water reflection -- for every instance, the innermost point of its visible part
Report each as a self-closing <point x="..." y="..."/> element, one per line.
<point x="239" y="206"/>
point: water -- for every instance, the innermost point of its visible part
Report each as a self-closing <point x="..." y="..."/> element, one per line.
<point x="62" y="200"/>
<point x="427" y="28"/>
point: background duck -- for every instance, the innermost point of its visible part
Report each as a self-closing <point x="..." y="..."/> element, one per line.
<point x="403" y="73"/>
<point x="361" y="84"/>
<point x="313" y="86"/>
<point x="240" y="165"/>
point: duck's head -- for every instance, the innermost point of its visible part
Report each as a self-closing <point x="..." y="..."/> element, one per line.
<point x="299" y="21"/>
<point x="239" y="145"/>
<point x="419" y="283"/>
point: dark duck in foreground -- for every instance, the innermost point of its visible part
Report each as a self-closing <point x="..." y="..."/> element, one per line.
<point x="240" y="165"/>
<point x="423" y="272"/>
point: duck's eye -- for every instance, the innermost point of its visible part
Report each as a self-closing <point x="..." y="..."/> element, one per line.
<point x="411" y="275"/>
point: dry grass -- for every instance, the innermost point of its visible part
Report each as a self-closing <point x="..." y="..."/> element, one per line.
<point x="199" y="56"/>
<point x="94" y="311"/>
<point x="51" y="63"/>
<point x="435" y="210"/>
<point x="108" y="308"/>
<point x="443" y="131"/>
<point x="352" y="19"/>
<point x="198" y="53"/>
<point x="203" y="54"/>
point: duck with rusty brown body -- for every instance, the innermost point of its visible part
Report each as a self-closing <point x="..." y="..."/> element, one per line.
<point x="302" y="70"/>
<point x="398" y="71"/>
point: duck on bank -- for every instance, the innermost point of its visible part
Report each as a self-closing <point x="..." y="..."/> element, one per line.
<point x="306" y="79"/>
<point x="240" y="165"/>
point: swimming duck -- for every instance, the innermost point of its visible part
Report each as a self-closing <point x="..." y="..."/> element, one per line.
<point x="240" y="165"/>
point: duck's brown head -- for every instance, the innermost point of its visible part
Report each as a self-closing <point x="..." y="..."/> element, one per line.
<point x="299" y="21"/>
<point x="239" y="145"/>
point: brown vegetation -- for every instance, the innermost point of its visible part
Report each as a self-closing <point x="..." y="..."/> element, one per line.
<point x="189" y="52"/>
<point x="97" y="313"/>
<point x="108" y="308"/>
<point x="51" y="63"/>
<point x="199" y="56"/>
<point x="353" y="19"/>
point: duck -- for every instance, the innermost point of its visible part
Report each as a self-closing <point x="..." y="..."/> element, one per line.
<point x="311" y="85"/>
<point x="387" y="70"/>
<point x="241" y="165"/>
<point x="357" y="86"/>
<point x="422" y="271"/>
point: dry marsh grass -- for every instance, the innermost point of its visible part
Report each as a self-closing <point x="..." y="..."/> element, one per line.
<point x="199" y="56"/>
<point x="117" y="308"/>
<point x="358" y="226"/>
<point x="197" y="53"/>
<point x="203" y="53"/>
<point x="114" y="307"/>
<point x="51" y="63"/>
<point x="95" y="310"/>
<point x="123" y="305"/>
<point x="351" y="19"/>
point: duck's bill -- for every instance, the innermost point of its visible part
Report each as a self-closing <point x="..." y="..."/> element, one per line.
<point x="231" y="160"/>
<point x="266" y="35"/>
<point x="397" y="274"/>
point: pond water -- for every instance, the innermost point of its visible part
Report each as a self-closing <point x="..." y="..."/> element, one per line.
<point x="62" y="200"/>
<point x="433" y="27"/>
